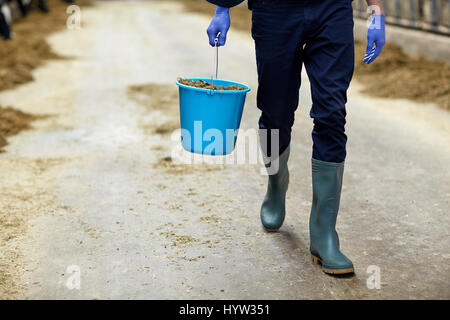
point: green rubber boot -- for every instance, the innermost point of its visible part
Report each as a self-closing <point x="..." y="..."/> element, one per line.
<point x="273" y="209"/>
<point x="327" y="185"/>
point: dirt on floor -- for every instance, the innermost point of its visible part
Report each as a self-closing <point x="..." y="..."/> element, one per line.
<point x="19" y="57"/>
<point x="12" y="122"/>
<point x="29" y="49"/>
<point x="22" y="54"/>
<point x="11" y="225"/>
<point x="393" y="75"/>
<point x="22" y="196"/>
<point x="154" y="96"/>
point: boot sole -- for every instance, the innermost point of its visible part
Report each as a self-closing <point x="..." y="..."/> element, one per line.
<point x="270" y="230"/>
<point x="318" y="261"/>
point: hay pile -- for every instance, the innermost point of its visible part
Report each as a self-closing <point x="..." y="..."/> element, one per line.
<point x="27" y="51"/>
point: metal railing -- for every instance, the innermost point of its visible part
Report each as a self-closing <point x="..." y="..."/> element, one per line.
<point x="427" y="15"/>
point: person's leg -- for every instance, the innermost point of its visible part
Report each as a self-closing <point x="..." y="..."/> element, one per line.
<point x="22" y="7"/>
<point x="5" y="31"/>
<point x="329" y="61"/>
<point x="277" y="33"/>
<point x="42" y="5"/>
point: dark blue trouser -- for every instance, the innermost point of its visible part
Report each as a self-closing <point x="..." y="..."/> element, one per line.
<point x="288" y="33"/>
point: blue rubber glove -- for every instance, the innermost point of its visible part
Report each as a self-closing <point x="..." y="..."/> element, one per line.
<point x="376" y="38"/>
<point x="219" y="24"/>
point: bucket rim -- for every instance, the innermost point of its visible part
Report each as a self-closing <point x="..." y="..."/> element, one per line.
<point x="209" y="90"/>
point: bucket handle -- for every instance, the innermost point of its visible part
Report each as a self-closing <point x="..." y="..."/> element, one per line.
<point x="216" y="63"/>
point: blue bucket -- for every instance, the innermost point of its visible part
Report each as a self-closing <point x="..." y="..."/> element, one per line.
<point x="210" y="119"/>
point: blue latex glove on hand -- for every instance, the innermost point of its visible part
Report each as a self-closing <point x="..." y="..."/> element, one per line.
<point x="375" y="36"/>
<point x="219" y="24"/>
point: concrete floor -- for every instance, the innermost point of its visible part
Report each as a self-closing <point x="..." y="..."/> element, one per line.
<point x="89" y="182"/>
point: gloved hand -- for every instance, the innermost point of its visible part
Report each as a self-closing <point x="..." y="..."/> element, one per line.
<point x="375" y="36"/>
<point x="219" y="24"/>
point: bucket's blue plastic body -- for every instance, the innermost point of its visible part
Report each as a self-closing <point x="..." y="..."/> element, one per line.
<point x="210" y="119"/>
